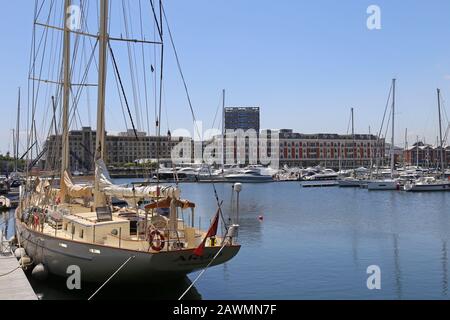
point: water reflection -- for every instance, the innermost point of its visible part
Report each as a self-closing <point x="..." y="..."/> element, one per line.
<point x="397" y="269"/>
<point x="55" y="288"/>
<point x="7" y="223"/>
<point x="444" y="269"/>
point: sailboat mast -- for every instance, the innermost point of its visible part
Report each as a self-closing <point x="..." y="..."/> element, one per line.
<point x="417" y="152"/>
<point x="223" y="130"/>
<point x="66" y="96"/>
<point x="406" y="147"/>
<point x="353" y="137"/>
<point x="16" y="149"/>
<point x="440" y="132"/>
<point x="99" y="199"/>
<point x="393" y="130"/>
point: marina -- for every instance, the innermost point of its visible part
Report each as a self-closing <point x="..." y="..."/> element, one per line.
<point x="405" y="233"/>
<point x="306" y="173"/>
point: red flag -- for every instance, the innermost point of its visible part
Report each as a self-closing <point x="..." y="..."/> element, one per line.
<point x="212" y="232"/>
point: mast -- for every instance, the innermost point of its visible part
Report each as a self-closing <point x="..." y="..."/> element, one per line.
<point x="223" y="130"/>
<point x="393" y="130"/>
<point x="353" y="137"/>
<point x="417" y="152"/>
<point x="16" y="149"/>
<point x="99" y="198"/>
<point x="371" y="149"/>
<point x="406" y="147"/>
<point x="440" y="132"/>
<point x="66" y="96"/>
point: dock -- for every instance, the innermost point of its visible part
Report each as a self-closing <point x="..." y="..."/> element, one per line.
<point x="14" y="284"/>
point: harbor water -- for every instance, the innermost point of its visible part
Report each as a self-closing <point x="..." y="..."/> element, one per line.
<point x="312" y="243"/>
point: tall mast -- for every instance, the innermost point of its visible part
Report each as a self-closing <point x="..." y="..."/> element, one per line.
<point x="16" y="149"/>
<point x="393" y="130"/>
<point x="99" y="199"/>
<point x="66" y="95"/>
<point x="353" y="137"/>
<point x="417" y="152"/>
<point x="371" y="149"/>
<point x="440" y="132"/>
<point x="223" y="130"/>
<point x="406" y="147"/>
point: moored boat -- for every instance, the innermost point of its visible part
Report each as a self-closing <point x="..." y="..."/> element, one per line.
<point x="379" y="185"/>
<point x="350" y="182"/>
<point x="77" y="225"/>
<point x="248" y="176"/>
<point x="425" y="184"/>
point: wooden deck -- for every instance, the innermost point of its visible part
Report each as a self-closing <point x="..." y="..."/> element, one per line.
<point x="15" y="285"/>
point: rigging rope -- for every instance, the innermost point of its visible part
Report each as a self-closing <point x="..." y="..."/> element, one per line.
<point x="112" y="276"/>
<point x="203" y="271"/>
<point x="116" y="68"/>
<point x="190" y="105"/>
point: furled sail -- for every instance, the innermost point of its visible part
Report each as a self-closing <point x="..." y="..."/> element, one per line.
<point x="75" y="190"/>
<point x="165" y="204"/>
<point x="41" y="186"/>
<point x="126" y="193"/>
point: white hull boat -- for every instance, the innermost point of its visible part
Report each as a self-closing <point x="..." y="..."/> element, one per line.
<point x="383" y="185"/>
<point x="350" y="183"/>
<point x="5" y="203"/>
<point x="248" y="176"/>
<point x="427" y="184"/>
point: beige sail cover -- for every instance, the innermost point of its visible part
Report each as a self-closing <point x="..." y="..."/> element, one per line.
<point x="75" y="190"/>
<point x="126" y="193"/>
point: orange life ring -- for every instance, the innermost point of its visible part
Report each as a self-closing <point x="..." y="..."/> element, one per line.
<point x="156" y="240"/>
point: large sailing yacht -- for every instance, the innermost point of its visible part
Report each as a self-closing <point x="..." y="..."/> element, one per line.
<point x="77" y="225"/>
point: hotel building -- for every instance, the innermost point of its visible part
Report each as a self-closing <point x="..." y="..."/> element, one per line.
<point x="120" y="149"/>
<point x="330" y="150"/>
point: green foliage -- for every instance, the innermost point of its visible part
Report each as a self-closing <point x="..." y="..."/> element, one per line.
<point x="7" y="163"/>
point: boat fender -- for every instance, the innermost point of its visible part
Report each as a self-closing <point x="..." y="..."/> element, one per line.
<point x="25" y="262"/>
<point x="40" y="272"/>
<point x="156" y="240"/>
<point x="19" y="253"/>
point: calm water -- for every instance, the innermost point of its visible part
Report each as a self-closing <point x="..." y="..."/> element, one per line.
<point x="315" y="244"/>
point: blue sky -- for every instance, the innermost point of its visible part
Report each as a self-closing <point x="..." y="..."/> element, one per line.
<point x="305" y="63"/>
